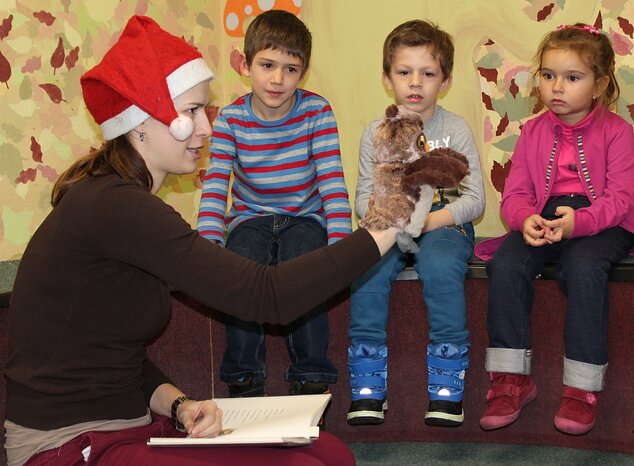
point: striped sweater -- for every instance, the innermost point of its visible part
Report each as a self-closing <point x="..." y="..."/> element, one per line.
<point x="290" y="166"/>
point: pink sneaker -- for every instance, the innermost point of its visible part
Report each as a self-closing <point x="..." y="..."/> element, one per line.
<point x="508" y="394"/>
<point x="576" y="412"/>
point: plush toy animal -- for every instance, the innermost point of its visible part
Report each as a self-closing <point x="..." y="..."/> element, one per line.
<point x="406" y="175"/>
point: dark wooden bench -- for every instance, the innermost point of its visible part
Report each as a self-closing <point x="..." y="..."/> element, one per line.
<point x="621" y="272"/>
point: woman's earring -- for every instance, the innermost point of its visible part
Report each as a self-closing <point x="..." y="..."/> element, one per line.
<point x="594" y="97"/>
<point x="141" y="134"/>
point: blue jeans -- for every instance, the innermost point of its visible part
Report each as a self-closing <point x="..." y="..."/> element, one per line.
<point x="583" y="267"/>
<point x="441" y="265"/>
<point x="270" y="240"/>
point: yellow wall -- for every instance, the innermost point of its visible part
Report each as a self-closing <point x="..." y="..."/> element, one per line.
<point x="345" y="68"/>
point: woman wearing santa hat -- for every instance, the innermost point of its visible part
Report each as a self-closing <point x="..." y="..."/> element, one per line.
<point x="91" y="291"/>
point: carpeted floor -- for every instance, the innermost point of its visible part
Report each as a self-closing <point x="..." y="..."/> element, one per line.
<point x="413" y="454"/>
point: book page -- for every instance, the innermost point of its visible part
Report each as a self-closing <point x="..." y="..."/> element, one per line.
<point x="285" y="420"/>
<point x="283" y="415"/>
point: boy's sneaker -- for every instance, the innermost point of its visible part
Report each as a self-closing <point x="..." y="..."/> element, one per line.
<point x="245" y="388"/>
<point x="308" y="388"/>
<point x="576" y="412"/>
<point x="444" y="413"/>
<point x="366" y="411"/>
<point x="508" y="394"/>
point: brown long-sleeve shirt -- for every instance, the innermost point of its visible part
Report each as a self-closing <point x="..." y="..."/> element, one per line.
<point x="91" y="292"/>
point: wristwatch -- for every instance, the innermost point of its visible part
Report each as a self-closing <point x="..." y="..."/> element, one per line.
<point x="175" y="404"/>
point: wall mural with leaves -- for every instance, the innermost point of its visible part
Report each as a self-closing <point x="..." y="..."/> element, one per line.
<point x="46" y="45"/>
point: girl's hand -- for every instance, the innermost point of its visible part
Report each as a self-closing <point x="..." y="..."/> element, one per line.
<point x="560" y="228"/>
<point x="200" y="418"/>
<point x="533" y="230"/>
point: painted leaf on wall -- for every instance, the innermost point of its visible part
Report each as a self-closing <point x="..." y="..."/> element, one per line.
<point x="26" y="175"/>
<point x="490" y="74"/>
<point x="54" y="92"/>
<point x="36" y="150"/>
<point x="626" y="27"/>
<point x="5" y="70"/>
<point x="486" y="100"/>
<point x="72" y="58"/>
<point x="57" y="59"/>
<point x="31" y="65"/>
<point x="507" y="144"/>
<point x="212" y="113"/>
<point x="26" y="89"/>
<point x="198" y="181"/>
<point x="487" y="129"/>
<point x="504" y="122"/>
<point x="630" y="108"/>
<point x="499" y="173"/>
<point x="545" y="12"/>
<point x="235" y="59"/>
<point x="620" y="43"/>
<point x="514" y="88"/>
<point x="5" y="26"/>
<point x="203" y="20"/>
<point x="48" y="172"/>
<point x="599" y="21"/>
<point x="44" y="17"/>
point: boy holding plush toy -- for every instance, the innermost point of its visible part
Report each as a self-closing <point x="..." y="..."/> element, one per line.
<point x="417" y="65"/>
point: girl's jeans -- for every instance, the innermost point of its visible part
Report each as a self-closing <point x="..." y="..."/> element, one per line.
<point x="441" y="265"/>
<point x="270" y="240"/>
<point x="583" y="265"/>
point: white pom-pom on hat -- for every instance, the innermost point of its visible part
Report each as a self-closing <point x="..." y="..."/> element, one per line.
<point x="181" y="127"/>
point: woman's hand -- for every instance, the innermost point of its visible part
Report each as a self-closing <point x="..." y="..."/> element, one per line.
<point x="384" y="239"/>
<point x="200" y="418"/>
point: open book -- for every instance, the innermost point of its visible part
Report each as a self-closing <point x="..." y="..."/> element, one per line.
<point x="267" y="420"/>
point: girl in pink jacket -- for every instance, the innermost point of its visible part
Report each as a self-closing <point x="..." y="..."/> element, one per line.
<point x="568" y="198"/>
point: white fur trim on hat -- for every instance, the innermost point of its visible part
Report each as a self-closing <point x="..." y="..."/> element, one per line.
<point x="124" y="122"/>
<point x="187" y="76"/>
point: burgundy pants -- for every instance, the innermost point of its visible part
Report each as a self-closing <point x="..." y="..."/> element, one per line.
<point x="128" y="447"/>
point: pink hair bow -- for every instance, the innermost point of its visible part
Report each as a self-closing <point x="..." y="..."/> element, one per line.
<point x="590" y="29"/>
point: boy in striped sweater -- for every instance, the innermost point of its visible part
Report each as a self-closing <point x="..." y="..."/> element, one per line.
<point x="288" y="194"/>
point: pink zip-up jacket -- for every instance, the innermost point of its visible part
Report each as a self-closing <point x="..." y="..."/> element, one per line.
<point x="605" y="157"/>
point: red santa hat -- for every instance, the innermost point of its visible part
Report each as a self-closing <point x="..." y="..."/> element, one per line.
<point x="140" y="76"/>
